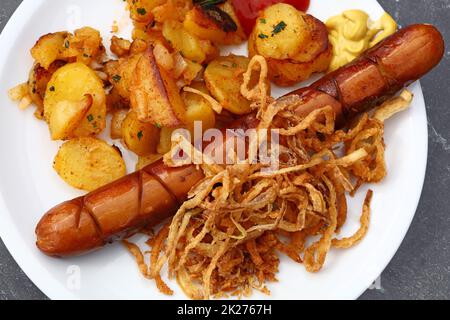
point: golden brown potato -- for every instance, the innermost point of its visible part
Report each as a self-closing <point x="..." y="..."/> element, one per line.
<point x="280" y="32"/>
<point x="114" y="101"/>
<point x="198" y="109"/>
<point x="66" y="116"/>
<point x="141" y="138"/>
<point x="116" y="123"/>
<point x="141" y="10"/>
<point x="190" y="46"/>
<point x="224" y="77"/>
<point x="215" y="26"/>
<point x="314" y="56"/>
<point x="48" y="48"/>
<point x="120" y="74"/>
<point x="85" y="46"/>
<point x="37" y="84"/>
<point x="120" y="47"/>
<point x="89" y="163"/>
<point x="72" y="83"/>
<point x="165" y="140"/>
<point x="154" y="94"/>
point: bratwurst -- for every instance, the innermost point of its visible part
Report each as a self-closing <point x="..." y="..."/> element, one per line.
<point x="153" y="194"/>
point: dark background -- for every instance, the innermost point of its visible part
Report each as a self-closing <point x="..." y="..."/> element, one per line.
<point x="421" y="267"/>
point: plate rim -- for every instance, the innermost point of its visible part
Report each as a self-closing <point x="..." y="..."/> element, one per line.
<point x="56" y="291"/>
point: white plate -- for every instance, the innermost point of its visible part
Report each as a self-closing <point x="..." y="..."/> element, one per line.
<point x="29" y="186"/>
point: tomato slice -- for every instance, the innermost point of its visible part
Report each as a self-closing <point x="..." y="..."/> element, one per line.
<point x="248" y="10"/>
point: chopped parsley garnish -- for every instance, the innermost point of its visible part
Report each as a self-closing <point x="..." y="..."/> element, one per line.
<point x="90" y="118"/>
<point x="52" y="88"/>
<point x="263" y="21"/>
<point x="66" y="44"/>
<point x="140" y="135"/>
<point x="116" y="78"/>
<point x="262" y="36"/>
<point x="141" y="11"/>
<point x="278" y="28"/>
<point x="158" y="126"/>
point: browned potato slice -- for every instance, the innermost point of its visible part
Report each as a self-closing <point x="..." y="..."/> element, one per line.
<point x="120" y="74"/>
<point x="48" y="48"/>
<point x="315" y="56"/>
<point x="71" y="83"/>
<point x="37" y="84"/>
<point x="89" y="163"/>
<point x="116" y="123"/>
<point x="66" y="116"/>
<point x="214" y="27"/>
<point x="198" y="109"/>
<point x="141" y="138"/>
<point x="224" y="77"/>
<point x="190" y="46"/>
<point x="280" y="31"/>
<point x="155" y="96"/>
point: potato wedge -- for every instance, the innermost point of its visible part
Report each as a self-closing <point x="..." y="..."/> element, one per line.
<point x="203" y="25"/>
<point x="223" y="78"/>
<point x="66" y="116"/>
<point x="315" y="56"/>
<point x="88" y="163"/>
<point x="71" y="83"/>
<point x="139" y="137"/>
<point x="48" y="48"/>
<point x="154" y="94"/>
<point x="116" y="123"/>
<point x="280" y="32"/>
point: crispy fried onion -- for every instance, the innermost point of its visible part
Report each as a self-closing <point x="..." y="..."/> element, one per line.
<point x="226" y="238"/>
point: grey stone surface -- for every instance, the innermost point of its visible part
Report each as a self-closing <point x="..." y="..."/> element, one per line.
<point x="421" y="267"/>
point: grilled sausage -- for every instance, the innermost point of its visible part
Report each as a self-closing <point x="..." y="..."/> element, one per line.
<point x="149" y="196"/>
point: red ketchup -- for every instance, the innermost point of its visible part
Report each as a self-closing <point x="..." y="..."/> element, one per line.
<point x="248" y="10"/>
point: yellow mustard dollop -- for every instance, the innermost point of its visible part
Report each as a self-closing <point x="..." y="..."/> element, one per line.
<point x="351" y="33"/>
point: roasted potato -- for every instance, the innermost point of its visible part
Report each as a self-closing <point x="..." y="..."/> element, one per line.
<point x="314" y="56"/>
<point x="85" y="46"/>
<point x="190" y="46"/>
<point x="89" y="163"/>
<point x="224" y="77"/>
<point x="120" y="73"/>
<point x="72" y="83"/>
<point x="141" y="138"/>
<point x="154" y="94"/>
<point x="120" y="47"/>
<point x="66" y="116"/>
<point x="221" y="26"/>
<point x="48" y="49"/>
<point x="198" y="109"/>
<point x="37" y="84"/>
<point x="165" y="140"/>
<point x="280" y="32"/>
<point x="117" y="119"/>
